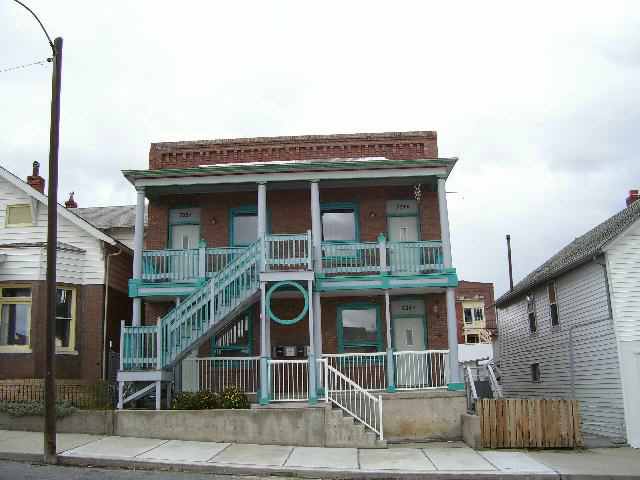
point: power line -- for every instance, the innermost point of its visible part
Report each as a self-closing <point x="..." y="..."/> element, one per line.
<point x="18" y="67"/>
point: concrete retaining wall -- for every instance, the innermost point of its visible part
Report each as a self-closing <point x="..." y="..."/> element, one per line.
<point x="406" y="416"/>
<point x="423" y="415"/>
<point x="471" y="430"/>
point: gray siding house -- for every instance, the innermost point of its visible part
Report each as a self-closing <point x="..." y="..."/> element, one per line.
<point x="571" y="328"/>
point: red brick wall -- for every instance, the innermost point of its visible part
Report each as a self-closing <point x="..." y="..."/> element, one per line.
<point x="86" y="365"/>
<point x="401" y="146"/>
<point x="289" y="212"/>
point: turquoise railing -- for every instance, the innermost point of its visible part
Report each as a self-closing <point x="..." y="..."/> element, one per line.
<point x="139" y="347"/>
<point x="396" y="258"/>
<point x="170" y="265"/>
<point x="218" y="258"/>
<point x="414" y="257"/>
<point x="288" y="252"/>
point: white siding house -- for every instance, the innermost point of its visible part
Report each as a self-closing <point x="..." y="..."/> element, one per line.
<point x="591" y="350"/>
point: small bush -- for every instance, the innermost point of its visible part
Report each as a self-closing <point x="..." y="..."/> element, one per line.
<point x="232" y="397"/>
<point x="35" y="408"/>
<point x="229" y="398"/>
<point x="203" y="400"/>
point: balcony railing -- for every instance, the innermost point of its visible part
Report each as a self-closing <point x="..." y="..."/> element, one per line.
<point x="294" y="252"/>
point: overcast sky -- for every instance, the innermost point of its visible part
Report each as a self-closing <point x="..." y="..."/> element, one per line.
<point x="540" y="103"/>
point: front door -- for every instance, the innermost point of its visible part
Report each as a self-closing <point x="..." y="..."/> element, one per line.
<point x="402" y="223"/>
<point x="184" y="237"/>
<point x="409" y="336"/>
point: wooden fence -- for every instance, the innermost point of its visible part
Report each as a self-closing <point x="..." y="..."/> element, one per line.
<point x="519" y="423"/>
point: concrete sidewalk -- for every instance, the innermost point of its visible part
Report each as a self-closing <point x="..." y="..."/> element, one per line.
<point x="435" y="460"/>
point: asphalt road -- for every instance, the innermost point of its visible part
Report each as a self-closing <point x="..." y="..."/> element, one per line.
<point x="26" y="471"/>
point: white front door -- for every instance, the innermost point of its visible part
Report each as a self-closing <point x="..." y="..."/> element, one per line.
<point x="403" y="258"/>
<point x="408" y="336"/>
<point x="184" y="236"/>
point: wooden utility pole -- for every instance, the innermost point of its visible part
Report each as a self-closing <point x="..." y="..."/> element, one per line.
<point x="52" y="243"/>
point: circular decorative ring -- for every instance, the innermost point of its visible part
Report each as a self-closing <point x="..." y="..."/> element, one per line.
<point x="298" y="317"/>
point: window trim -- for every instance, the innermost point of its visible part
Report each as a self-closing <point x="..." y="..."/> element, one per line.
<point x="245" y="210"/>
<point x="17" y="301"/>
<point x="18" y="225"/>
<point x="341" y="207"/>
<point x="340" y="333"/>
<point x="72" y="326"/>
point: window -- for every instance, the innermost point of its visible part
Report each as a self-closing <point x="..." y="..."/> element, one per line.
<point x="65" y="318"/>
<point x="18" y="215"/>
<point x="339" y="222"/>
<point x="359" y="329"/>
<point x="478" y="314"/>
<point x="15" y="318"/>
<point x="468" y="315"/>
<point x="472" y="339"/>
<point x="244" y="226"/>
<point x="531" y="313"/>
<point x="553" y="305"/>
<point x="473" y="311"/>
<point x="535" y="372"/>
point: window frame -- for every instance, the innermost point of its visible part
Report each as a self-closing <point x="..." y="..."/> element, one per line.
<point x="335" y="207"/>
<point x="18" y="225"/>
<point x="245" y="210"/>
<point x="17" y="301"/>
<point x="378" y="344"/>
<point x="464" y="315"/>
<point x="172" y="224"/>
<point x="531" y="301"/>
<point x="72" y="324"/>
<point x="555" y="322"/>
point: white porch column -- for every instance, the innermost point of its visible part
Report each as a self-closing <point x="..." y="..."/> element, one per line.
<point x="265" y="347"/>
<point x="138" y="246"/>
<point x="313" y="388"/>
<point x="452" y="328"/>
<point x="316" y="236"/>
<point x="391" y="366"/>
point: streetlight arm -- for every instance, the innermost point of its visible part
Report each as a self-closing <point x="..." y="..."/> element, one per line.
<point x="40" y="23"/>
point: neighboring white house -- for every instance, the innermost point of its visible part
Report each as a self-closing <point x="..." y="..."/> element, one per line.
<point x="571" y="328"/>
<point x="93" y="266"/>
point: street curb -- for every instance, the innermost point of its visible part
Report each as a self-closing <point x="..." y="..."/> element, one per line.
<point x="296" y="472"/>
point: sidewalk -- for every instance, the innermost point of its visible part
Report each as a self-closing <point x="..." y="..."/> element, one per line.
<point x="434" y="460"/>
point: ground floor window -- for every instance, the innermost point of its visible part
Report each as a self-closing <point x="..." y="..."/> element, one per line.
<point x="15" y="318"/>
<point x="472" y="339"/>
<point x="65" y="318"/>
<point x="359" y="328"/>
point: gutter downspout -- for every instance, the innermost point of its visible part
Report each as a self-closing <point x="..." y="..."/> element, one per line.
<point x="104" y="318"/>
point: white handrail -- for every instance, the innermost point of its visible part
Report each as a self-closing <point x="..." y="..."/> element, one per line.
<point x="495" y="386"/>
<point x="354" y="400"/>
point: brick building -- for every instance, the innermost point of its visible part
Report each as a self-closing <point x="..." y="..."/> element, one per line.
<point x="475" y="312"/>
<point x="93" y="267"/>
<point x="342" y="246"/>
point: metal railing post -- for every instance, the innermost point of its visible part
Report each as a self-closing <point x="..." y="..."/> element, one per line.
<point x="382" y="247"/>
<point x="202" y="259"/>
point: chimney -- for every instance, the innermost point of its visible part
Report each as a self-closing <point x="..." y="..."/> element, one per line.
<point x="71" y="203"/>
<point x="35" y="180"/>
<point x="633" y="196"/>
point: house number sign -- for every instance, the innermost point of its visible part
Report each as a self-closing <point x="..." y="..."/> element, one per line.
<point x="407" y="307"/>
<point x="179" y="216"/>
<point x="402" y="207"/>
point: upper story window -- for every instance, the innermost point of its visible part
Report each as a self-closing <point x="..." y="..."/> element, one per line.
<point x="473" y="312"/>
<point x="15" y="318"/>
<point x="553" y="304"/>
<point x="359" y="328"/>
<point x="531" y="313"/>
<point x="244" y="226"/>
<point x="19" y="215"/>
<point x="339" y="222"/>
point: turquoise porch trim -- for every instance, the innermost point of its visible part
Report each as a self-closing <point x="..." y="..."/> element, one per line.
<point x="298" y="317"/>
<point x="455" y="387"/>
<point x="383" y="282"/>
<point x="139" y="288"/>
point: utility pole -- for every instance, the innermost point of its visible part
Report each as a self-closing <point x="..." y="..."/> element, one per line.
<point x="52" y="243"/>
